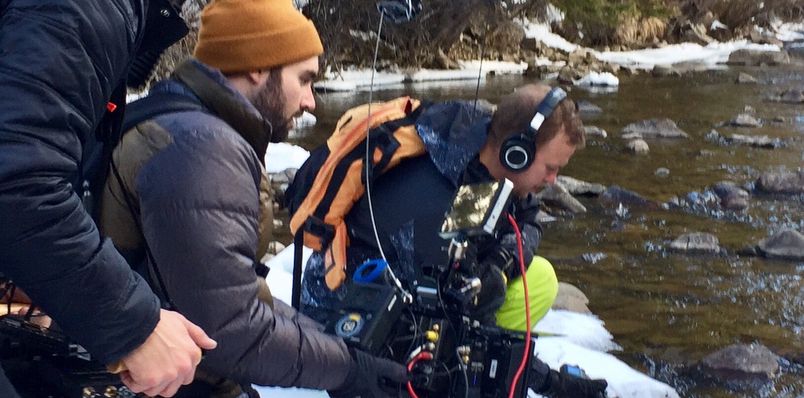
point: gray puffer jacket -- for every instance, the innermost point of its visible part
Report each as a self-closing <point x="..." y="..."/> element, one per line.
<point x="195" y="181"/>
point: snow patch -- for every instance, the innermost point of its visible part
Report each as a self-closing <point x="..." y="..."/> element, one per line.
<point x="543" y="33"/>
<point x="598" y="79"/>
<point x="281" y="156"/>
<point x="710" y="55"/>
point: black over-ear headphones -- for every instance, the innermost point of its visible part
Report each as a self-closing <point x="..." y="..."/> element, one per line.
<point x="519" y="150"/>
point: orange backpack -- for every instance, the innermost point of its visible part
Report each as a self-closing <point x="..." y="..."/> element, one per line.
<point x="320" y="202"/>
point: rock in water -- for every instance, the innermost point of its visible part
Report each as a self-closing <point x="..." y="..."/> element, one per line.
<point x="578" y="187"/>
<point x="787" y="244"/>
<point x="740" y="361"/>
<point x="638" y="146"/>
<point x="696" y="242"/>
<point x="654" y="128"/>
<point x="782" y="182"/>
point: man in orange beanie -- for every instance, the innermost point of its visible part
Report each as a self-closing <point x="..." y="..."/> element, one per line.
<point x="188" y="202"/>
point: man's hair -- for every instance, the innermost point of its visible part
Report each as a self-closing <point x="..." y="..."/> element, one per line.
<point x="515" y="111"/>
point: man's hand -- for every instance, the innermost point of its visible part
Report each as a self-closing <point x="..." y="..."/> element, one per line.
<point x="525" y="212"/>
<point x="168" y="358"/>
<point x="368" y="377"/>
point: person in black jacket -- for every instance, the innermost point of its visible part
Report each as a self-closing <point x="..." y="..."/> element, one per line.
<point x="61" y="62"/>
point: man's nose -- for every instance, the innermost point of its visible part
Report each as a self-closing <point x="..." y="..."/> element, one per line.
<point x="550" y="179"/>
<point x="307" y="100"/>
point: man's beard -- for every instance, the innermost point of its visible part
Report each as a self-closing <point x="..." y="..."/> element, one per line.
<point x="270" y="102"/>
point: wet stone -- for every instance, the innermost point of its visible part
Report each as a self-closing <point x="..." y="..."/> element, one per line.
<point x="787" y="182"/>
<point x="758" y="57"/>
<point x="786" y="244"/>
<point x="762" y="141"/>
<point x="578" y="187"/>
<point x="655" y="128"/>
<point x="745" y="120"/>
<point x="556" y="195"/>
<point x="570" y="298"/>
<point x="696" y="242"/>
<point x="615" y="195"/>
<point x="789" y="96"/>
<point x="731" y="196"/>
<point x="638" y="146"/>
<point x="594" y="131"/>
<point x="745" y="78"/>
<point x="741" y="361"/>
<point x="586" y="108"/>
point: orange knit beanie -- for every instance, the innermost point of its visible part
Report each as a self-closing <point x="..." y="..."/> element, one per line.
<point x="246" y="35"/>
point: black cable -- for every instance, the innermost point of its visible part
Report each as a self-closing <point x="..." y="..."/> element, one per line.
<point x="135" y="217"/>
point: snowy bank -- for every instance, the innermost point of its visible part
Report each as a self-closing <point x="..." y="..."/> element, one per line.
<point x="360" y="79"/>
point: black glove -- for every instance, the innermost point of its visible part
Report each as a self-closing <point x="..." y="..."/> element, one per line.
<point x="524" y="212"/>
<point x="570" y="382"/>
<point x="368" y="377"/>
<point x="492" y="293"/>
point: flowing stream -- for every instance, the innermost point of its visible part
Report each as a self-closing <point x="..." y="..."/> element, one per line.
<point x="667" y="309"/>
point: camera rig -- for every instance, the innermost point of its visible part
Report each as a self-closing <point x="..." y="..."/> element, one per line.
<point x="446" y="351"/>
<point x="428" y="324"/>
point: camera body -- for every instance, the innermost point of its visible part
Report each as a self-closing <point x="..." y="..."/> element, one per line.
<point x="448" y="353"/>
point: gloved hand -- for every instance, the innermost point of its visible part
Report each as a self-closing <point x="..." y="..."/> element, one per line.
<point x="569" y="384"/>
<point x="492" y="293"/>
<point x="524" y="212"/>
<point x="367" y="377"/>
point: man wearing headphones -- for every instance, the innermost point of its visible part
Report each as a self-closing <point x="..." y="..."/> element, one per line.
<point x="531" y="136"/>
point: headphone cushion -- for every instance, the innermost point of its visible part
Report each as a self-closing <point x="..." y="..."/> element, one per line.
<point x="517" y="153"/>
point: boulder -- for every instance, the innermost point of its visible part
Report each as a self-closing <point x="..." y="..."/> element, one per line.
<point x="594" y="131"/>
<point x="662" y="172"/>
<point x="745" y="78"/>
<point x="586" y="108"/>
<point x="756" y="141"/>
<point x="568" y="75"/>
<point x="762" y="37"/>
<point x="578" y="187"/>
<point x="758" y="57"/>
<point x="654" y="128"/>
<point x="570" y="298"/>
<point x="787" y="182"/>
<point x="696" y="242"/>
<point x="615" y="195"/>
<point x="531" y="44"/>
<point x="556" y="195"/>
<point x="638" y="146"/>
<point x="786" y="244"/>
<point x="791" y="96"/>
<point x="697" y="33"/>
<point x="660" y="70"/>
<point x="745" y="120"/>
<point x="740" y="361"/>
<point x="731" y="196"/>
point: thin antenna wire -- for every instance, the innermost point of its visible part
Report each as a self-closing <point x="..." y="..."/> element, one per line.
<point x="368" y="163"/>
<point x="479" y="75"/>
<point x="367" y="160"/>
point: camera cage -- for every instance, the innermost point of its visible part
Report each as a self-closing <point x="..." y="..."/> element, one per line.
<point x="447" y="352"/>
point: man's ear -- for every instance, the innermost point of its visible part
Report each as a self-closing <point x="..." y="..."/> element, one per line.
<point x="256" y="77"/>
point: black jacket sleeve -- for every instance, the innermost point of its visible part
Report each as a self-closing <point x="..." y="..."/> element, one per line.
<point x="199" y="206"/>
<point x="59" y="62"/>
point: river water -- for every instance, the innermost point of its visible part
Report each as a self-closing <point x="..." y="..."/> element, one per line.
<point x="668" y="310"/>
